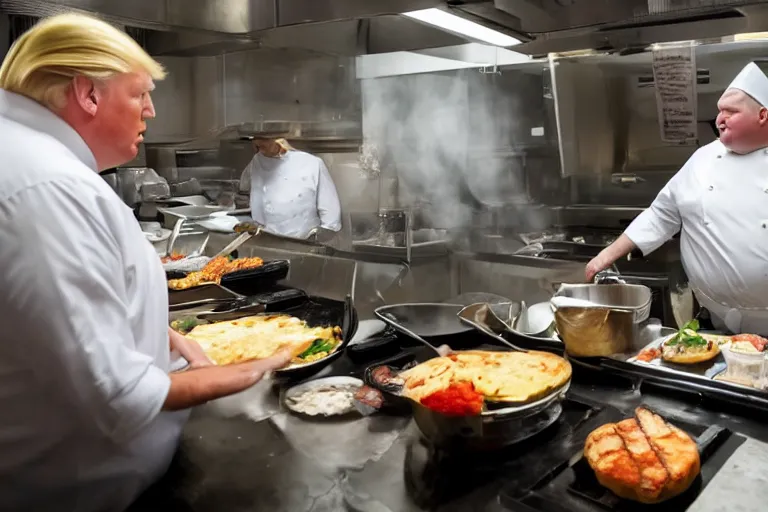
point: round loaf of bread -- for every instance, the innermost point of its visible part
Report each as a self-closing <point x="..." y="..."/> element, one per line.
<point x="643" y="459"/>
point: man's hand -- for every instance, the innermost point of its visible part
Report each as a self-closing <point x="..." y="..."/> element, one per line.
<point x="189" y="350"/>
<point x="275" y="362"/>
<point x="593" y="267"/>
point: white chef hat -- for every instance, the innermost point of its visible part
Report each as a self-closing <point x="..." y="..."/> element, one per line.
<point x="752" y="81"/>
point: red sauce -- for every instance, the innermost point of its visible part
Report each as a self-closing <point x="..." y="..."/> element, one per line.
<point x="459" y="399"/>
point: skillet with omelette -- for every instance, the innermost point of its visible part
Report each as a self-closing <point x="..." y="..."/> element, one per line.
<point x="462" y="383"/>
<point x="261" y="336"/>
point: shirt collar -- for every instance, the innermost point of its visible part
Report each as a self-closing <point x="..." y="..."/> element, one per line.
<point x="30" y="113"/>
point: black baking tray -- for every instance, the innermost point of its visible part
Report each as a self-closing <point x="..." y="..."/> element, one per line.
<point x="571" y="485"/>
<point x="247" y="281"/>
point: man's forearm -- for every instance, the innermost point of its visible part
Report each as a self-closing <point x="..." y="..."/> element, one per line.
<point x="196" y="387"/>
<point x="618" y="249"/>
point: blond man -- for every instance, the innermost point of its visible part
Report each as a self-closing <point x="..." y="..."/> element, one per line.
<point x="91" y="416"/>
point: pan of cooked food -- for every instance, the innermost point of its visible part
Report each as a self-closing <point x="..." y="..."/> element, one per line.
<point x="222" y="278"/>
<point x="731" y="367"/>
<point x="479" y="399"/>
<point x="213" y="271"/>
<point x="316" y="331"/>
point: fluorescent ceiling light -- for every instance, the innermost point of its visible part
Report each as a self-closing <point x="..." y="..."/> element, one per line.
<point x="456" y="24"/>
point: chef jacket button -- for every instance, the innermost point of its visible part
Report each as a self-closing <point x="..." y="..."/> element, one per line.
<point x="765" y="225"/>
<point x="711" y="187"/>
<point x="765" y="190"/>
<point x="719" y="156"/>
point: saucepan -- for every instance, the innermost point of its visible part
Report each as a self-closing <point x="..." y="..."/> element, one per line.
<point x="600" y="320"/>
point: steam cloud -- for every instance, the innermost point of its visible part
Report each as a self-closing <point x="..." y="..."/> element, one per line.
<point x="441" y="135"/>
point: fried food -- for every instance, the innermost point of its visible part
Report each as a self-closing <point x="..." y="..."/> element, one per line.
<point x="516" y="377"/>
<point x="213" y="271"/>
<point x="644" y="459"/>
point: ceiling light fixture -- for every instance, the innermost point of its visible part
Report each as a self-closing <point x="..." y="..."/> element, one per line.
<point x="458" y="25"/>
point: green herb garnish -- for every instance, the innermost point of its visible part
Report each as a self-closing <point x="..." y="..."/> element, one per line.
<point x="688" y="337"/>
<point x="317" y="346"/>
<point x="184" y="325"/>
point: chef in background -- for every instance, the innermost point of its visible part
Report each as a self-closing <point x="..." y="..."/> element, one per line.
<point x="718" y="202"/>
<point x="291" y="192"/>
<point x="90" y="415"/>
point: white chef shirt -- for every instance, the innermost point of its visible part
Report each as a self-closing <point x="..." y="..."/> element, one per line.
<point x="84" y="350"/>
<point x="292" y="194"/>
<point x="719" y="203"/>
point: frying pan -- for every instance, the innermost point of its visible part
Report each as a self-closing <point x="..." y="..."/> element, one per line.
<point x="315" y="311"/>
<point x="435" y="321"/>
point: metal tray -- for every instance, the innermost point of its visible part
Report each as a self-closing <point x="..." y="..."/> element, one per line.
<point x="698" y="378"/>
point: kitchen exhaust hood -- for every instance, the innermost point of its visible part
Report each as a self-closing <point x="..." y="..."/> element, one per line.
<point x="545" y="26"/>
<point x="568" y="25"/>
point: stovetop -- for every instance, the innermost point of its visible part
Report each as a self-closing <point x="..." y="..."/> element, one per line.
<point x="437" y="475"/>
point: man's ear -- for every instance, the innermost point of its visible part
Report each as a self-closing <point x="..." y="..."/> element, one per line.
<point x="86" y="94"/>
<point x="763" y="116"/>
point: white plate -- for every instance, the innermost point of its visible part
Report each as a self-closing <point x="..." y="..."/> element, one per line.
<point x="317" y="384"/>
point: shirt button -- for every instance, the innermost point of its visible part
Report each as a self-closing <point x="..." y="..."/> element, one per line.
<point x="711" y="187"/>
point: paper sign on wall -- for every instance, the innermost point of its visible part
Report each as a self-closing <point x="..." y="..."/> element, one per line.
<point x="674" y="74"/>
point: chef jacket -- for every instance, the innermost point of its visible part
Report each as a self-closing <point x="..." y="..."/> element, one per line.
<point x="84" y="350"/>
<point x="292" y="194"/>
<point x="719" y="203"/>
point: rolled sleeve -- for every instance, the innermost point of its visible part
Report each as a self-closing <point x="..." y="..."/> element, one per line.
<point x="67" y="300"/>
<point x="660" y="222"/>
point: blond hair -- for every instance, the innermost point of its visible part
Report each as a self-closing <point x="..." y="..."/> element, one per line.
<point x="43" y="61"/>
<point x="284" y="144"/>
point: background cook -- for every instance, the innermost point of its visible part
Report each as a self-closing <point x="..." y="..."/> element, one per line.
<point x="718" y="202"/>
<point x="291" y="192"/>
<point x="88" y="417"/>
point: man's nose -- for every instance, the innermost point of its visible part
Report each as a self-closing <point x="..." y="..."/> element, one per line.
<point x="149" y="108"/>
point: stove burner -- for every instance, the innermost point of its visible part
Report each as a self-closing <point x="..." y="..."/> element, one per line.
<point x="438" y="474"/>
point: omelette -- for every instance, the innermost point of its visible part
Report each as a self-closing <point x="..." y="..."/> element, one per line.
<point x="262" y="336"/>
<point x="516" y="377"/>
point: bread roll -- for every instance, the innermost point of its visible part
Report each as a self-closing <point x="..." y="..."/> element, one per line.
<point x="643" y="459"/>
